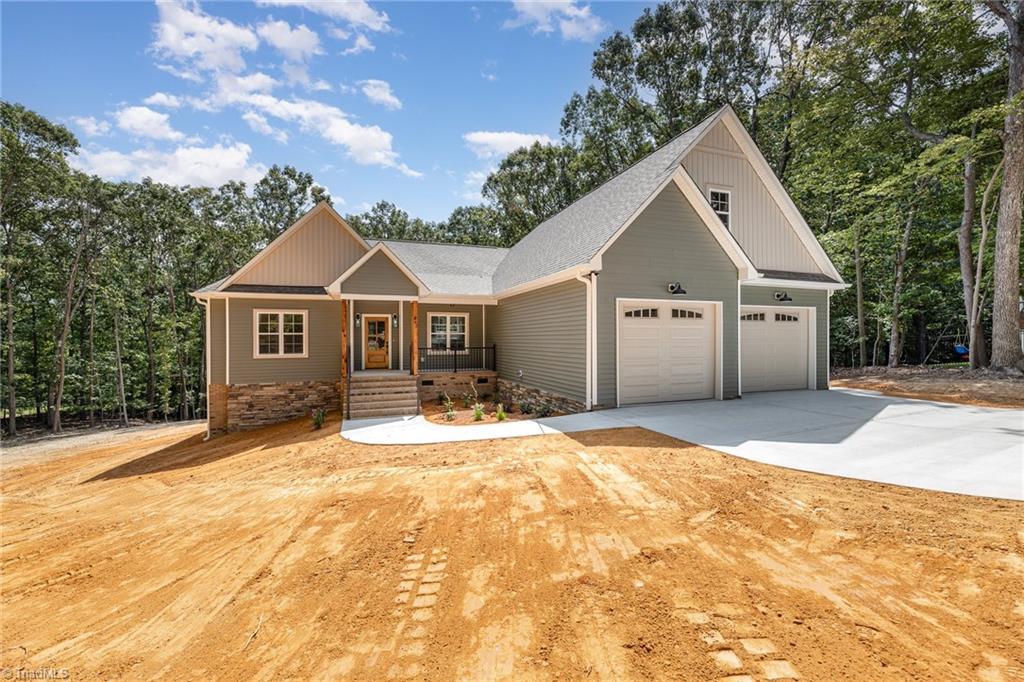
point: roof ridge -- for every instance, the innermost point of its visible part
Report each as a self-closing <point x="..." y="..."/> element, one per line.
<point x="437" y="243"/>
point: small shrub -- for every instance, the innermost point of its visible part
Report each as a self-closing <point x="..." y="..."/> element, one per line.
<point x="500" y="413"/>
<point x="470" y="397"/>
<point x="449" y="406"/>
<point x="449" y="414"/>
<point x="478" y="412"/>
<point x="526" y="407"/>
<point x="544" y="410"/>
<point x="319" y="417"/>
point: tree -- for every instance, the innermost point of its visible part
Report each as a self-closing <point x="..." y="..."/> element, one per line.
<point x="1006" y="350"/>
<point x="282" y="196"/>
<point x="32" y="168"/>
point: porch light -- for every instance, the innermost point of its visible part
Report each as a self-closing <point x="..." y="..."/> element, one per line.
<point x="782" y="296"/>
<point x="394" y="320"/>
<point x="359" y="319"/>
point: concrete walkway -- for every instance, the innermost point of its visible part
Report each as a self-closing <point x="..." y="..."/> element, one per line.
<point x="856" y="434"/>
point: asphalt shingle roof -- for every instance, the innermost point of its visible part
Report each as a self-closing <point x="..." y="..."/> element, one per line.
<point x="450" y="268"/>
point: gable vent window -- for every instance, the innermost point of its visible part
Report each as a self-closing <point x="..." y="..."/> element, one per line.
<point x="753" y="317"/>
<point x="685" y="314"/>
<point x="721" y="204"/>
<point x="642" y="312"/>
<point x="782" y="317"/>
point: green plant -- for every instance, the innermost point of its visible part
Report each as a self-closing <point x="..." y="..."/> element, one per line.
<point x="526" y="407"/>
<point x="449" y="406"/>
<point x="470" y="397"/>
<point x="478" y="412"/>
<point x="449" y="414"/>
<point x="319" y="417"/>
<point x="500" y="413"/>
<point x="544" y="410"/>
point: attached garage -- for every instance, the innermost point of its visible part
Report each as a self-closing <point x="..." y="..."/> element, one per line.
<point x="667" y="350"/>
<point x="777" y="348"/>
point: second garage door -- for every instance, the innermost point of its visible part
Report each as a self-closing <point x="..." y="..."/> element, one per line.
<point x="666" y="352"/>
<point x="774" y="348"/>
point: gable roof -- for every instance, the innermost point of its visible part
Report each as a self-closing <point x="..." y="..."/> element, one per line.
<point x="454" y="269"/>
<point x="380" y="247"/>
<point x="574" y="235"/>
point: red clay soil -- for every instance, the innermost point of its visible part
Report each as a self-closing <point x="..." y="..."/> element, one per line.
<point x="464" y="416"/>
<point x="945" y="384"/>
<point x="617" y="554"/>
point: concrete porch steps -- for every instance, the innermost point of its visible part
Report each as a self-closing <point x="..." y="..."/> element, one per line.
<point x="383" y="395"/>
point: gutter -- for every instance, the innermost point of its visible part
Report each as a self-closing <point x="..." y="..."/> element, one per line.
<point x="590" y="281"/>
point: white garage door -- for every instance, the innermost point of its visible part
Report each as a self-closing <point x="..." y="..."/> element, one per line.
<point x="774" y="352"/>
<point x="666" y="352"/>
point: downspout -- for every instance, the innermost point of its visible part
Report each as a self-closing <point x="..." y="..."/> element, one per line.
<point x="205" y="302"/>
<point x="589" y="283"/>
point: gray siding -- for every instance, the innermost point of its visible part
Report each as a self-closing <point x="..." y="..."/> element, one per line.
<point x="543" y="333"/>
<point x="806" y="298"/>
<point x="216" y="350"/>
<point x="379" y="275"/>
<point x="757" y="222"/>
<point x="324" y="338"/>
<point x="668" y="242"/>
<point x="315" y="254"/>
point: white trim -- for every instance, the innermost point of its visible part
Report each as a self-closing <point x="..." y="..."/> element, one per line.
<point x="717" y="306"/>
<point x="812" y="336"/>
<point x="727" y="193"/>
<point x="207" y="311"/>
<point x="335" y="286"/>
<point x="593" y="340"/>
<point x="401" y="336"/>
<point x="281" y="238"/>
<point x="546" y="281"/>
<point x="227" y="342"/>
<point x="448" y="332"/>
<point x="375" y="297"/>
<point x="453" y="299"/>
<point x="828" y="341"/>
<point x="249" y="294"/>
<point x="739" y="340"/>
<point x="483" y="325"/>
<point x="280" y="354"/>
<point x="352" y="335"/>
<point x="588" y="390"/>
<point x="794" y="284"/>
<point x="387" y="325"/>
<point x="778" y="192"/>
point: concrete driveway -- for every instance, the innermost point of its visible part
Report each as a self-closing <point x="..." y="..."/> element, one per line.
<point x="841" y="432"/>
<point x="857" y="434"/>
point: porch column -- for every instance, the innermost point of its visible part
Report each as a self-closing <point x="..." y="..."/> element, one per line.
<point x="344" y="352"/>
<point x="414" y="354"/>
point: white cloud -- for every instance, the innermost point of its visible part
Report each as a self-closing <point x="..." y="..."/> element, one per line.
<point x="162" y="99"/>
<point x="379" y="92"/>
<point x="296" y="44"/>
<point x="573" y="21"/>
<point x="490" y="144"/>
<point x="473" y="183"/>
<point x="355" y="12"/>
<point x="90" y="126"/>
<point x="184" y="74"/>
<point x="187" y="165"/>
<point x="260" y="124"/>
<point x="144" y="122"/>
<point x="188" y="35"/>
<point x="361" y="44"/>
<point x="338" y="33"/>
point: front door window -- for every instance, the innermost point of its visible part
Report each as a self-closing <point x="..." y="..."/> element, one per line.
<point x="376" y="343"/>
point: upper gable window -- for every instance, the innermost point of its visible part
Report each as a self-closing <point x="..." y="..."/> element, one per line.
<point x="721" y="203"/>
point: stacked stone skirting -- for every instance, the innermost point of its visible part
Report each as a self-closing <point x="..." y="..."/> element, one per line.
<point x="512" y="393"/>
<point x="252" y="405"/>
<point x="432" y="384"/>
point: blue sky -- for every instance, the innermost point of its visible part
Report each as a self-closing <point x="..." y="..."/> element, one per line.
<point x="410" y="102"/>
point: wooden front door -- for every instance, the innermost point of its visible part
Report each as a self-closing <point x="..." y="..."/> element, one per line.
<point x="377" y="342"/>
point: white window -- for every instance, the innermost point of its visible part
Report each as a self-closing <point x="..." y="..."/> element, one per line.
<point x="642" y="312"/>
<point x="280" y="333"/>
<point x="687" y="314"/>
<point x="721" y="201"/>
<point x="448" y="331"/>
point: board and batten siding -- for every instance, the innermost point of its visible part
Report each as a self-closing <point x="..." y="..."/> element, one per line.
<point x="316" y="254"/>
<point x="381" y="276"/>
<point x="804" y="298"/>
<point x="756" y="220"/>
<point x="666" y="243"/>
<point x="543" y="334"/>
<point x="323" y="362"/>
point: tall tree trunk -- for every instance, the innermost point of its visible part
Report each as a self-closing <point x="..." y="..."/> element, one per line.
<point x="964" y="239"/>
<point x="60" y="352"/>
<point x="35" y="365"/>
<point x="120" y="369"/>
<point x="92" y="360"/>
<point x="878" y="341"/>
<point x="12" y="398"/>
<point x="862" y="336"/>
<point x="150" y="360"/>
<point x="895" y="341"/>
<point x="182" y="374"/>
<point x="1006" y="350"/>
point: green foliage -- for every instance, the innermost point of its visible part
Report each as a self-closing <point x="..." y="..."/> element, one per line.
<point x="526" y="407"/>
<point x="319" y="417"/>
<point x="470" y="397"/>
<point x="500" y="414"/>
<point x="478" y="412"/>
<point x="543" y="410"/>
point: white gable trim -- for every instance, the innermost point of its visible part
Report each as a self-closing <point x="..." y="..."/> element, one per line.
<point x="785" y="203"/>
<point x="334" y="288"/>
<point x="702" y="206"/>
<point x="284" y="236"/>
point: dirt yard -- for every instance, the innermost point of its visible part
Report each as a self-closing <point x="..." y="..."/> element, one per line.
<point x="289" y="553"/>
<point x="948" y="384"/>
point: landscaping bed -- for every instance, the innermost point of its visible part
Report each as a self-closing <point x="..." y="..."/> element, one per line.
<point x="461" y="411"/>
<point x="950" y="384"/>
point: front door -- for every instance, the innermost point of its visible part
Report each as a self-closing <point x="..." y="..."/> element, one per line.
<point x="377" y="342"/>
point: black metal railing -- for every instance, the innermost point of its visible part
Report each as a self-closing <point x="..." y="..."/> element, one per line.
<point x="473" y="358"/>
